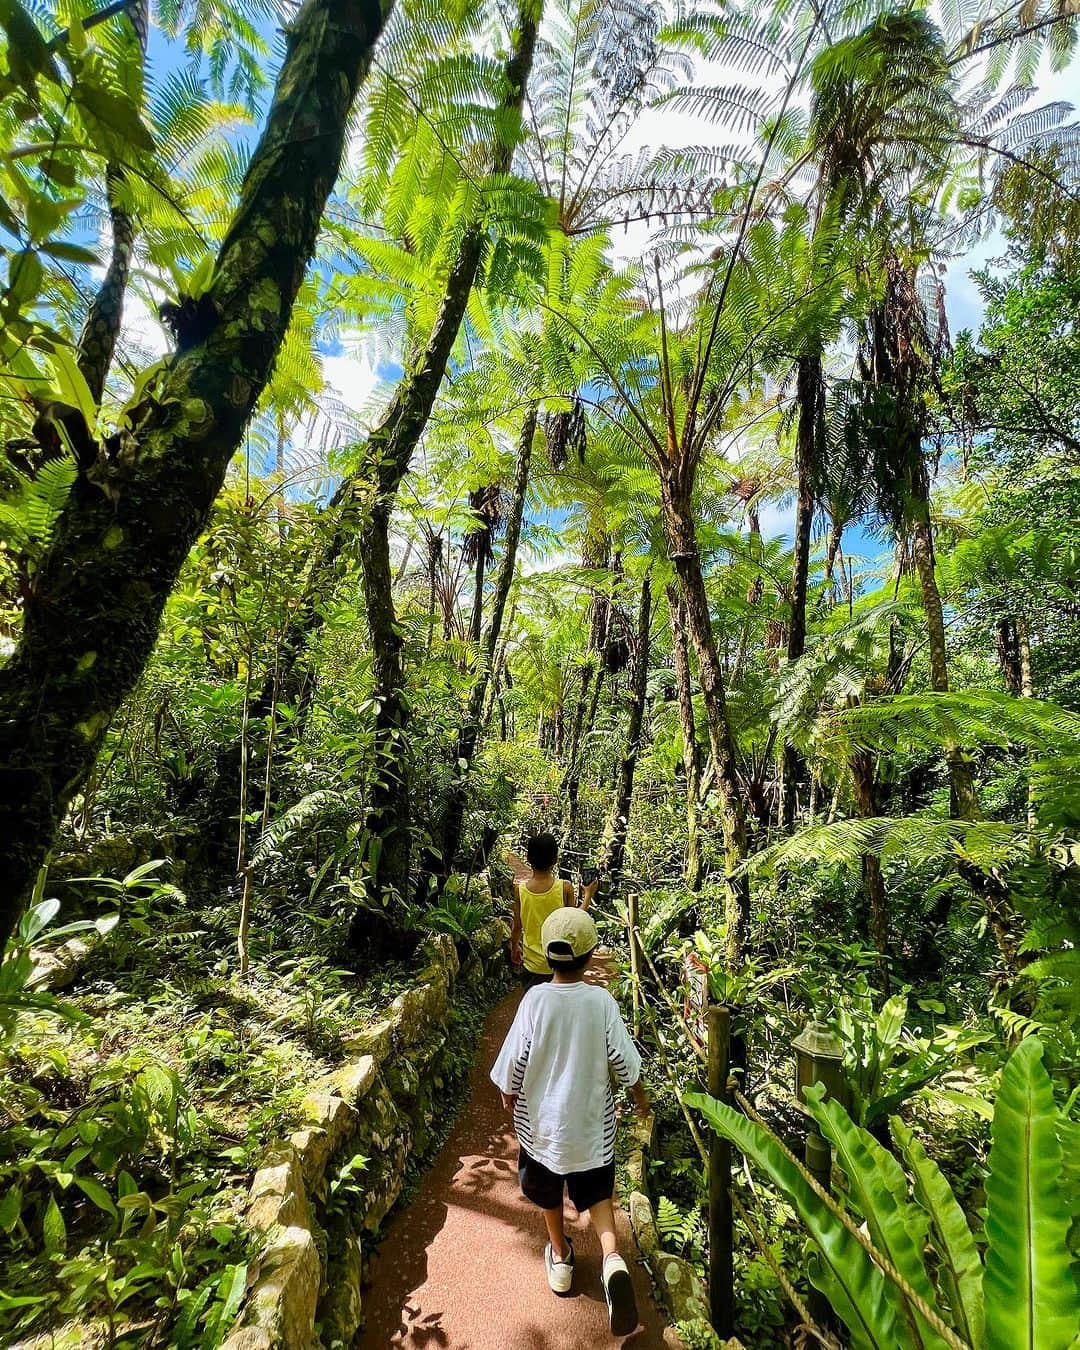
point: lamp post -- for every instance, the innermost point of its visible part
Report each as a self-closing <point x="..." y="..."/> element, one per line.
<point x="819" y="1058"/>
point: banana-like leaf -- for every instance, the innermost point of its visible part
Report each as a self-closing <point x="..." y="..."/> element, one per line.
<point x="846" y="1275"/>
<point x="1032" y="1302"/>
<point x="898" y="1228"/>
<point x="960" y="1267"/>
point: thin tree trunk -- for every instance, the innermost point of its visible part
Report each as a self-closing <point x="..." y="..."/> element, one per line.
<point x="476" y="620"/>
<point x="864" y="774"/>
<point x="92" y="617"/>
<point x="691" y="753"/>
<point x="469" y="736"/>
<point x="809" y="398"/>
<point x="613" y="848"/>
<point x="1027" y="690"/>
<point x="682" y="542"/>
<point x="97" y="341"/>
<point x="964" y="804"/>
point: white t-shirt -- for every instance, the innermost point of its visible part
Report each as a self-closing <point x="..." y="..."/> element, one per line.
<point x="566" y="1044"/>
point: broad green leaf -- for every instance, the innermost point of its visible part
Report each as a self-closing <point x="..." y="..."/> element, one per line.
<point x="95" y="1191"/>
<point x="1030" y="1291"/>
<point x="878" y="1187"/>
<point x="960" y="1266"/>
<point x="53" y="1230"/>
<point x="71" y="385"/>
<point x="865" y="1304"/>
<point x="10" y="1208"/>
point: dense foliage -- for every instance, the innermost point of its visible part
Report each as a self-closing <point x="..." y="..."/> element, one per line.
<point x="676" y="521"/>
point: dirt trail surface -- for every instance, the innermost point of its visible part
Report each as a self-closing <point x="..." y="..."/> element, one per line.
<point x="462" y="1267"/>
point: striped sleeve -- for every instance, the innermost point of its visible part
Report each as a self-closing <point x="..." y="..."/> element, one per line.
<point x="622" y="1052"/>
<point x="509" y="1068"/>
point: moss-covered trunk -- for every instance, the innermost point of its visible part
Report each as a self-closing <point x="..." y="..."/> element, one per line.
<point x="97" y="342"/>
<point x="809" y="394"/>
<point x="92" y="615"/>
<point x="613" y="846"/>
<point x="678" y="520"/>
<point x="691" y="752"/>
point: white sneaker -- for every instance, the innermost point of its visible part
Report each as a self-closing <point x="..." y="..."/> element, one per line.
<point x="619" y="1291"/>
<point x="560" y="1273"/>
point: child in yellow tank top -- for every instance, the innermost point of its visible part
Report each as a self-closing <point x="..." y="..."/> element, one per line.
<point x="534" y="899"/>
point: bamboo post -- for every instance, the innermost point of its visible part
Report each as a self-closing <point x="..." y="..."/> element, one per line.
<point x="635" y="962"/>
<point x="721" y="1250"/>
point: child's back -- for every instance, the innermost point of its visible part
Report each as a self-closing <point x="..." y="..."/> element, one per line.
<point x="566" y="1042"/>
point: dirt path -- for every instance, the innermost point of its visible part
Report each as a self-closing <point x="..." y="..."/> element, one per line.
<point x="462" y="1268"/>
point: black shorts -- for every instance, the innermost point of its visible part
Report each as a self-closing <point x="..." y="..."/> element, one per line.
<point x="529" y="980"/>
<point x="545" y="1188"/>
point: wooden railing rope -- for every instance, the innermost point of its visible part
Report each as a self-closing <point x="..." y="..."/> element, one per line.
<point x="808" y="1323"/>
<point x="882" y="1262"/>
<point x="879" y="1259"/>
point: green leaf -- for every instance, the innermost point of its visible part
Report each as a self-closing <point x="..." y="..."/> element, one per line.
<point x="71" y="385"/>
<point x="73" y="253"/>
<point x="53" y="1230"/>
<point x="855" y="1286"/>
<point x="960" y="1265"/>
<point x="95" y="1191"/>
<point x="1032" y="1302"/>
<point x="879" y="1189"/>
<point x="10" y="1208"/>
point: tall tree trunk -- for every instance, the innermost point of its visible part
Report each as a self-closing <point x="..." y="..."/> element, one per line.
<point x="691" y="753"/>
<point x="964" y="803"/>
<point x="809" y="394"/>
<point x="681" y="538"/>
<point x="469" y="735"/>
<point x="476" y="620"/>
<point x="1008" y="650"/>
<point x="92" y="616"/>
<point x="864" y="774"/>
<point x="613" y="847"/>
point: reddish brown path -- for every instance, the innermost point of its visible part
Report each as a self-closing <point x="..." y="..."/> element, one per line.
<point x="462" y="1268"/>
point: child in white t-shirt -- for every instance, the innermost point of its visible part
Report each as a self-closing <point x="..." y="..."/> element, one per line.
<point x="554" y="1072"/>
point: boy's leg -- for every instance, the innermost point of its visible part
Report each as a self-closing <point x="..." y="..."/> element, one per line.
<point x="560" y="1248"/>
<point x="602" y="1215"/>
<point x="594" y="1191"/>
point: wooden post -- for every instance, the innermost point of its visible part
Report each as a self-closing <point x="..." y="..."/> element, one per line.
<point x="635" y="960"/>
<point x="721" y="1252"/>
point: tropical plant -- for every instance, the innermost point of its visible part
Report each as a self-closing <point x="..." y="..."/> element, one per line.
<point x="914" y="1277"/>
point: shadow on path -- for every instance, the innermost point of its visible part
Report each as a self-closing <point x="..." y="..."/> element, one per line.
<point x="462" y="1267"/>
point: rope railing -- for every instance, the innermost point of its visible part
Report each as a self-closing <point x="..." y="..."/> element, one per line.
<point x="879" y="1258"/>
<point x="808" y="1325"/>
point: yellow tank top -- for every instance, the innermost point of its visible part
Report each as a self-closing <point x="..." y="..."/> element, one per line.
<point x="535" y="907"/>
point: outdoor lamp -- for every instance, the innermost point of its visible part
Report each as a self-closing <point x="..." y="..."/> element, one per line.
<point x="819" y="1058"/>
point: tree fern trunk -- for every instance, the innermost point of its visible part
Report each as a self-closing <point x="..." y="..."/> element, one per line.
<point x="691" y="754"/>
<point x="92" y="617"/>
<point x="383" y="463"/>
<point x="613" y="847"/>
<point x="964" y="803"/>
<point x="809" y="398"/>
<point x="679" y="530"/>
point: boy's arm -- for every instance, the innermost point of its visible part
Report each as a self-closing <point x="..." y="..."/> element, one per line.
<point x="515" y="930"/>
<point x="589" y="892"/>
<point x="624" y="1059"/>
<point x="569" y="895"/>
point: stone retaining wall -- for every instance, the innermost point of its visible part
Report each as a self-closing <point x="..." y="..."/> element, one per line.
<point x="383" y="1105"/>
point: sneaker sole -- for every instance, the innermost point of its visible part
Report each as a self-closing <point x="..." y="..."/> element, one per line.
<point x="622" y="1306"/>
